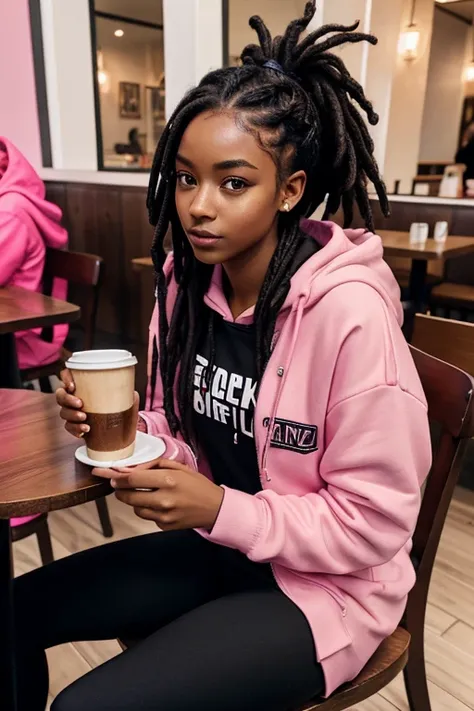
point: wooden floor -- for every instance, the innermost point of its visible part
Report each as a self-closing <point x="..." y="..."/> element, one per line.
<point x="450" y="623"/>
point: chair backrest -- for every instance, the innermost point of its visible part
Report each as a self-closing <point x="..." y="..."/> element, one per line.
<point x="85" y="271"/>
<point x="449" y="393"/>
<point x="446" y="339"/>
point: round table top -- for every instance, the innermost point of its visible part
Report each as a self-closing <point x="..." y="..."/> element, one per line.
<point x="38" y="470"/>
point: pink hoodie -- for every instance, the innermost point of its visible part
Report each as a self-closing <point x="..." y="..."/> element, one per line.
<point x="28" y="224"/>
<point x="344" y="457"/>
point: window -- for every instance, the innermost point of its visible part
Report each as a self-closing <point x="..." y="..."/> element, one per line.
<point x="130" y="81"/>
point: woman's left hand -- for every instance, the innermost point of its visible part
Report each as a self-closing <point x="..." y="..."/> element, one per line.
<point x="177" y="497"/>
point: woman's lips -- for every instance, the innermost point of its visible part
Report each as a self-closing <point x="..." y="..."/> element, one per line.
<point x="201" y="238"/>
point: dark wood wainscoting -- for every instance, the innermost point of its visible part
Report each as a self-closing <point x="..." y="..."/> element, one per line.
<point x="112" y="221"/>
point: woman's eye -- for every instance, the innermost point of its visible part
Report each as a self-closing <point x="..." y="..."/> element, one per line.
<point x="185" y="180"/>
<point x="235" y="185"/>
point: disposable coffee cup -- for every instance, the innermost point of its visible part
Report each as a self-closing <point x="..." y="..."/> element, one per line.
<point x="105" y="382"/>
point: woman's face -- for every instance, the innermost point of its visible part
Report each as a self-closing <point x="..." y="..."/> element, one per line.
<point x="227" y="195"/>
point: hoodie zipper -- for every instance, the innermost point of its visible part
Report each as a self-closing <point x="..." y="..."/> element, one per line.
<point x="282" y="372"/>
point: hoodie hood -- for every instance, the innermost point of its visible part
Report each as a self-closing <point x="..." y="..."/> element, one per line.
<point x="343" y="256"/>
<point x="21" y="189"/>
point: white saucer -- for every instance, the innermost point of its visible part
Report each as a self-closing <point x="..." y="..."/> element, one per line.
<point x="147" y="448"/>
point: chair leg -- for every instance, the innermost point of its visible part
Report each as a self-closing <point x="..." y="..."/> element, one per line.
<point x="45" y="385"/>
<point x="415" y="671"/>
<point x="44" y="543"/>
<point x="104" y="517"/>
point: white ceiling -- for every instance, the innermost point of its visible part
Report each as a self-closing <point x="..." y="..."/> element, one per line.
<point x="146" y="10"/>
<point x="463" y="8"/>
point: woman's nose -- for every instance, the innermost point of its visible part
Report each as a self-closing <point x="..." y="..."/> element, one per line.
<point x="202" y="205"/>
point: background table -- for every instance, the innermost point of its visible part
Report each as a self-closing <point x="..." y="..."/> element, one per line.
<point x="21" y="310"/>
<point x="38" y="473"/>
<point x="397" y="244"/>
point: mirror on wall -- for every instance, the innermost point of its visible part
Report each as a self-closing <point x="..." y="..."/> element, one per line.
<point x="130" y="81"/>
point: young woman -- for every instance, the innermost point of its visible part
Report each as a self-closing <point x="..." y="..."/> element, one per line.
<point x="291" y="482"/>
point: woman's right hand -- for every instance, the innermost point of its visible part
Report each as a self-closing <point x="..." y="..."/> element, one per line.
<point x="71" y="412"/>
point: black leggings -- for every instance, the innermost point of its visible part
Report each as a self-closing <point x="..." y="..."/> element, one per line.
<point x="218" y="633"/>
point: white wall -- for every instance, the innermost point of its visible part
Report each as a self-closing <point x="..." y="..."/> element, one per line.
<point x="407" y="103"/>
<point x="193" y="44"/>
<point x="445" y="89"/>
<point x="70" y="85"/>
<point x="346" y="12"/>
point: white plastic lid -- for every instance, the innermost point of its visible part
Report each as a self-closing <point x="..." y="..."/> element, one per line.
<point x="101" y="360"/>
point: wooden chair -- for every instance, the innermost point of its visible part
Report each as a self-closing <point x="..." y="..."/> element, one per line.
<point x="449" y="392"/>
<point x="85" y="272"/>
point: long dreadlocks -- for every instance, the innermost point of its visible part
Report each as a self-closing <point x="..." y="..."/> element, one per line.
<point x="297" y="98"/>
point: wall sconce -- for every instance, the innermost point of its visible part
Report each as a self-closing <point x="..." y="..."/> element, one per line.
<point x="469" y="73"/>
<point x="410" y="38"/>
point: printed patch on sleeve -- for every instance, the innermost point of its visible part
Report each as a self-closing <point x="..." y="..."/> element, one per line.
<point x="293" y="436"/>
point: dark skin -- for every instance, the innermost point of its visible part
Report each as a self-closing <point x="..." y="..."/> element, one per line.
<point x="228" y="188"/>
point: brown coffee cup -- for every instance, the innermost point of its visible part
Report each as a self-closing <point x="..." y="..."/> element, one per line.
<point x="105" y="382"/>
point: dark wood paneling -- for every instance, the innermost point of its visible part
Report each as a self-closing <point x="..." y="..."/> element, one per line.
<point x="138" y="237"/>
<point x="93" y="218"/>
<point x="112" y="222"/>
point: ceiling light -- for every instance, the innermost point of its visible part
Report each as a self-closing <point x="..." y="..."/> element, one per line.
<point x="119" y="33"/>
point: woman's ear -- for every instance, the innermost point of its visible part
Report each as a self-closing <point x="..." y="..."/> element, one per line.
<point x="292" y="191"/>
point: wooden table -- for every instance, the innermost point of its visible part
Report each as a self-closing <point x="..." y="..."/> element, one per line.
<point x="38" y="473"/>
<point x="21" y="310"/>
<point x="142" y="264"/>
<point x="397" y="244"/>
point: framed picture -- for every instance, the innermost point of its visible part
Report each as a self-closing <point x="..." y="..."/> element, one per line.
<point x="129" y="100"/>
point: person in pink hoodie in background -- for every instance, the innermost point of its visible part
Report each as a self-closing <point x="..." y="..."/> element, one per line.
<point x="28" y="225"/>
<point x="294" y="421"/>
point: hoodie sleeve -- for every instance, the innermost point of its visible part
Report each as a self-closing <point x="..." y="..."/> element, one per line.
<point x="154" y="414"/>
<point x="377" y="454"/>
<point x="13" y="246"/>
<point x="369" y="508"/>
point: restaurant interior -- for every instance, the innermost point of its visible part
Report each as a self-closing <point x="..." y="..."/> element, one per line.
<point x="86" y="89"/>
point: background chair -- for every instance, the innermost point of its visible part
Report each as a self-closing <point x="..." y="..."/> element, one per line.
<point x="449" y="392"/>
<point x="84" y="274"/>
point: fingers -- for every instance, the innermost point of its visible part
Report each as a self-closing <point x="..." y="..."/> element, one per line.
<point x="76" y="430"/>
<point x="67" y="380"/>
<point x="65" y="399"/>
<point x="156" y="464"/>
<point x="71" y="407"/>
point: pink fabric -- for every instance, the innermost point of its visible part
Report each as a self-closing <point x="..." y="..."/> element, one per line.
<point x="20" y="521"/>
<point x="335" y="523"/>
<point x="28" y="224"/>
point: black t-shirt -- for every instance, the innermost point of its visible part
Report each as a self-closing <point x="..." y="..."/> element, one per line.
<point x="223" y="416"/>
<point x="223" y="419"/>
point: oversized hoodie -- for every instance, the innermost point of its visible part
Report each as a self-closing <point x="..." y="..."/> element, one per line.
<point x="343" y="446"/>
<point x="28" y="224"/>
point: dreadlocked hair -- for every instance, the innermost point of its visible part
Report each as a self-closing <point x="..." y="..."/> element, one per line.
<point x="302" y="110"/>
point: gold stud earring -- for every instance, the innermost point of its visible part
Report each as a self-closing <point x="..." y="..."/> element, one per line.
<point x="286" y="206"/>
